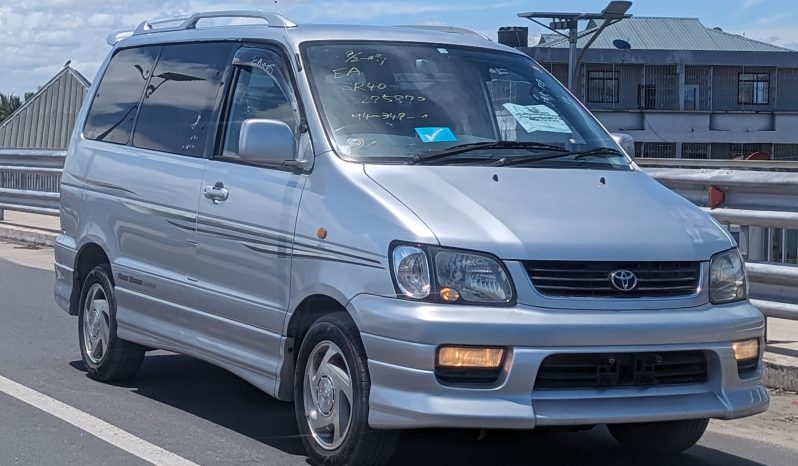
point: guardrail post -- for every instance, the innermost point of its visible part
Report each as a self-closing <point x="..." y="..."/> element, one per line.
<point x="756" y="243"/>
<point x="745" y="241"/>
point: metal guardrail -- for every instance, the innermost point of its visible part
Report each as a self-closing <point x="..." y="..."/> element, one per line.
<point x="769" y="165"/>
<point x="30" y="180"/>
<point x="753" y="198"/>
<point x="752" y="202"/>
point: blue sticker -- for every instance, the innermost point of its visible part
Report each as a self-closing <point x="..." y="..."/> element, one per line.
<point x="436" y="134"/>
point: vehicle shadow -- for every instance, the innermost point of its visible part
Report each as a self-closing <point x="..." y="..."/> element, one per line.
<point x="595" y="447"/>
<point x="220" y="397"/>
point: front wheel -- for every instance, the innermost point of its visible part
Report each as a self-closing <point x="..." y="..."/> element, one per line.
<point x="331" y="395"/>
<point x="659" y="437"/>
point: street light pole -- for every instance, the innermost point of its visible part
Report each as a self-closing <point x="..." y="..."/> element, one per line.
<point x="573" y="36"/>
<point x="560" y="21"/>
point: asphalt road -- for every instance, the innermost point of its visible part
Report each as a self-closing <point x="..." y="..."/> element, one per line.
<point x="210" y="417"/>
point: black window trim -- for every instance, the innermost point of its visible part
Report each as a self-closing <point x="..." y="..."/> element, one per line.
<point x="753" y="91"/>
<point x="227" y="95"/>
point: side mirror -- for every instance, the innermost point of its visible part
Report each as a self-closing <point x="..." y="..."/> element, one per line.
<point x="626" y="142"/>
<point x="266" y="141"/>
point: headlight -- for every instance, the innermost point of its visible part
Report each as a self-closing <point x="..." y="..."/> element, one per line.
<point x="476" y="278"/>
<point x="727" y="277"/>
<point x="449" y="275"/>
<point x="411" y="271"/>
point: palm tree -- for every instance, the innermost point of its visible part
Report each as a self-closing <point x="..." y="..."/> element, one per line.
<point x="8" y="104"/>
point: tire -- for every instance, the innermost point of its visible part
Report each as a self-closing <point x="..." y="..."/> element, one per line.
<point x="659" y="437"/>
<point x="331" y="353"/>
<point x="107" y="357"/>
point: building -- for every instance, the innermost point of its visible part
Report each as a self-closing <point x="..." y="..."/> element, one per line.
<point x="46" y="119"/>
<point x="683" y="90"/>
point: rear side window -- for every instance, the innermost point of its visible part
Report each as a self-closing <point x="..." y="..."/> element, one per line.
<point x="113" y="110"/>
<point x="178" y="102"/>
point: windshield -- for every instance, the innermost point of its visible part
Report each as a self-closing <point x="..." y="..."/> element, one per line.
<point x="388" y="102"/>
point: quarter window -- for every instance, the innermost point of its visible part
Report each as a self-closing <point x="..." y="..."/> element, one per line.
<point x="178" y="102"/>
<point x="113" y="110"/>
<point x="753" y="88"/>
<point x="602" y="87"/>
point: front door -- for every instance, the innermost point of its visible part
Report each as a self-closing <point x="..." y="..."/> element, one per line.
<point x="246" y="220"/>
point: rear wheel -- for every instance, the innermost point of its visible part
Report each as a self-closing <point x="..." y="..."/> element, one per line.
<point x="659" y="437"/>
<point x="331" y="395"/>
<point x="107" y="358"/>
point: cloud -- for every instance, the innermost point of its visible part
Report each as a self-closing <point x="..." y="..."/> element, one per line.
<point x="363" y="11"/>
<point x="750" y="3"/>
<point x="38" y="36"/>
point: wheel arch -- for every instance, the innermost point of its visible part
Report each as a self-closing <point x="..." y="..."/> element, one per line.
<point x="308" y="311"/>
<point x="89" y="255"/>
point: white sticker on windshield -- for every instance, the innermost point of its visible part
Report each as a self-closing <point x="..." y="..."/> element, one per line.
<point x="537" y="118"/>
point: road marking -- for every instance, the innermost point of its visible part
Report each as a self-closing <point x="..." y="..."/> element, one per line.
<point x="95" y="426"/>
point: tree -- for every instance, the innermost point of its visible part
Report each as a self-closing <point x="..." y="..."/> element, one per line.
<point x="8" y="104"/>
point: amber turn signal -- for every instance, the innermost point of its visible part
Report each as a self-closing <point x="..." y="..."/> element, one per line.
<point x="470" y="356"/>
<point x="449" y="295"/>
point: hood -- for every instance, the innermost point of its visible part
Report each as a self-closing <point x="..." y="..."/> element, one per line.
<point x="554" y="214"/>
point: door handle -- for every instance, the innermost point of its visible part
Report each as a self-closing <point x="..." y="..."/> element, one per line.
<point x="216" y="193"/>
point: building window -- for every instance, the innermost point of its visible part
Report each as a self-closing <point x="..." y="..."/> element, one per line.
<point x="602" y="87"/>
<point x="695" y="151"/>
<point x="647" y="96"/>
<point x="753" y="88"/>
<point x="785" y="151"/>
<point x="743" y="151"/>
<point x="659" y="150"/>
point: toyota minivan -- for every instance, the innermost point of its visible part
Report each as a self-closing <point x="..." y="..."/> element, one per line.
<point x="395" y="228"/>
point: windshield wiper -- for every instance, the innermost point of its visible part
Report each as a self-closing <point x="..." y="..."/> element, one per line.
<point x="500" y="145"/>
<point x="604" y="152"/>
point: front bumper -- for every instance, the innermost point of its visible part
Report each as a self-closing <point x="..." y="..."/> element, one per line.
<point x="401" y="339"/>
<point x="65" y="253"/>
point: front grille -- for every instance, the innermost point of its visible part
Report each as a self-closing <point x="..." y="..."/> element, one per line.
<point x="592" y="279"/>
<point x="606" y="370"/>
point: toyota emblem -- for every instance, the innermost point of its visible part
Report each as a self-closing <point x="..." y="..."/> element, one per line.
<point x="623" y="280"/>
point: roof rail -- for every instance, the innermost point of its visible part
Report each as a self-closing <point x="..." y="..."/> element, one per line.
<point x="449" y="29"/>
<point x="190" y="21"/>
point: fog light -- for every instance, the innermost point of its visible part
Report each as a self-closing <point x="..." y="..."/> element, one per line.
<point x="470" y="356"/>
<point x="746" y="349"/>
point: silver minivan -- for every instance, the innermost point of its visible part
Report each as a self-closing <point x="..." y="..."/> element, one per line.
<point x="396" y="228"/>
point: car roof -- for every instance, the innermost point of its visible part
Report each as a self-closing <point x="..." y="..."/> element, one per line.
<point x="297" y="34"/>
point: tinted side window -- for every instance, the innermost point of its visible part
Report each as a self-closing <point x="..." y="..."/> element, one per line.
<point x="179" y="99"/>
<point x="113" y="110"/>
<point x="259" y="93"/>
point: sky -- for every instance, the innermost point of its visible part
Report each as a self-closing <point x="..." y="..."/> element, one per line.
<point x="38" y="36"/>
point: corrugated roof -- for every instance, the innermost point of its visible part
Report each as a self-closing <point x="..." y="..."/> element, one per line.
<point x="549" y="38"/>
<point x="655" y="33"/>
<point x="46" y="119"/>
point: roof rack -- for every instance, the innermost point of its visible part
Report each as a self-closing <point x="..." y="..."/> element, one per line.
<point x="448" y="29"/>
<point x="190" y="21"/>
